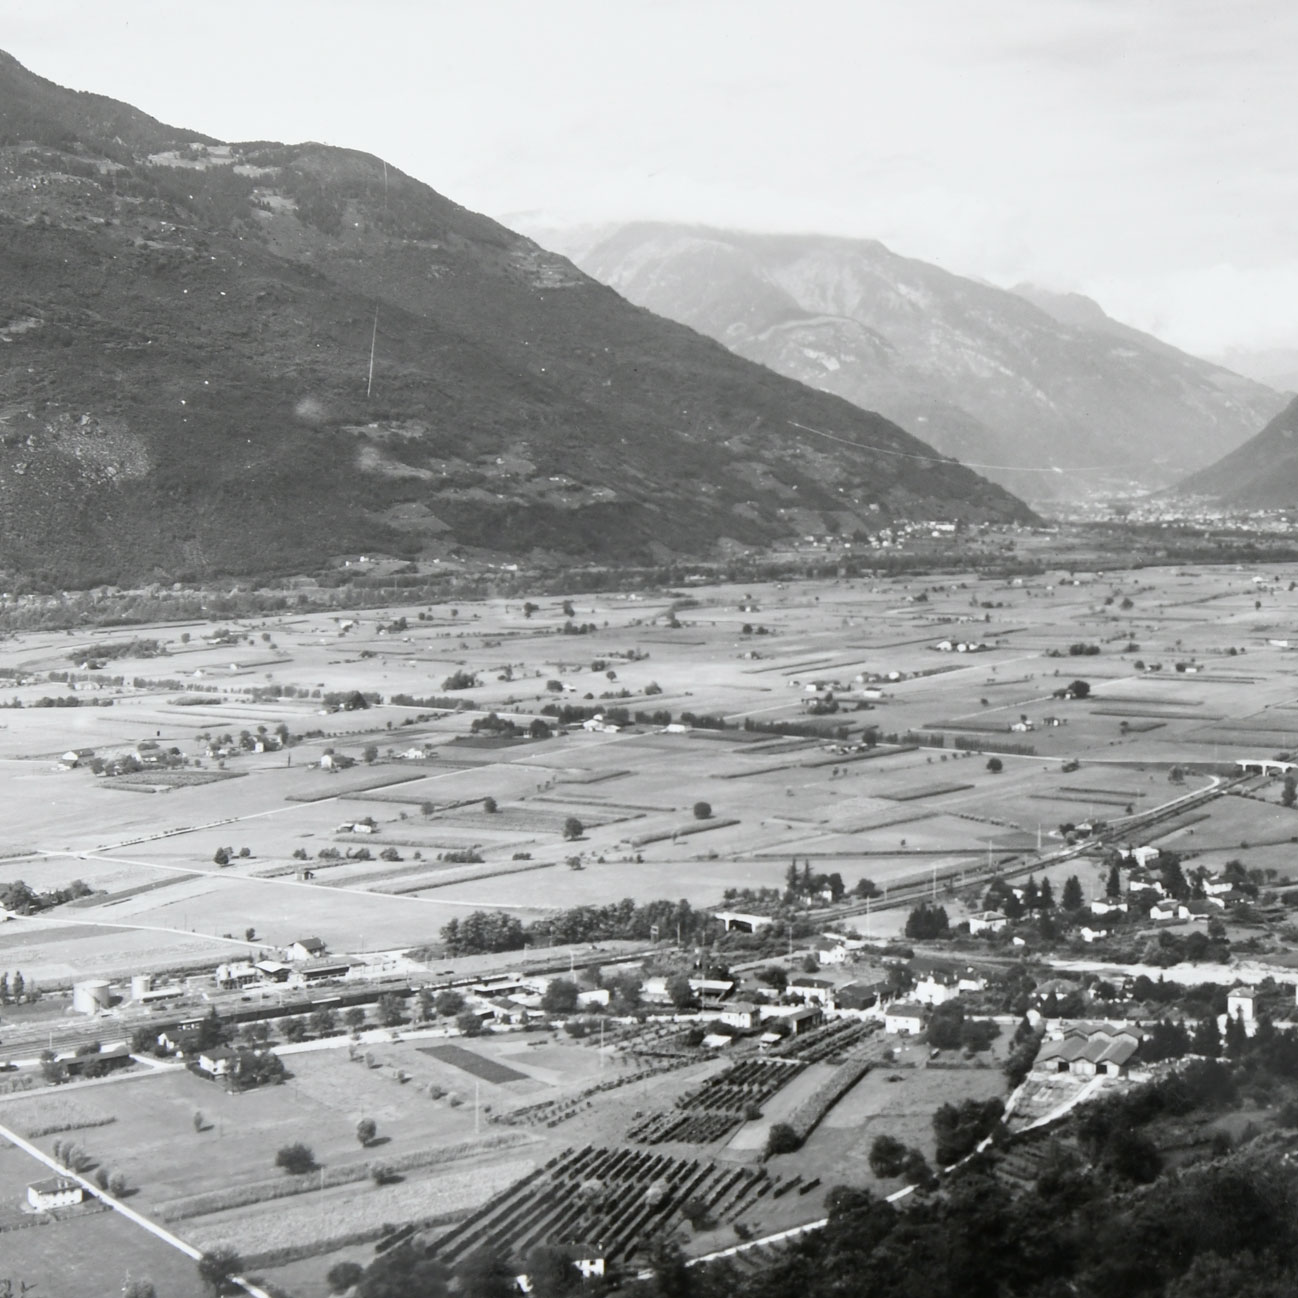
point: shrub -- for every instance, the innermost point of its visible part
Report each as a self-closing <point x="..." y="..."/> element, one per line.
<point x="295" y="1159"/>
<point x="781" y="1139"/>
<point x="216" y="1267"/>
<point x="343" y="1276"/>
<point x="702" y="811"/>
<point x="887" y="1157"/>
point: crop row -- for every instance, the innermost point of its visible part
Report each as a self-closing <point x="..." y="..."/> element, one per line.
<point x="832" y="1042"/>
<point x="749" y="1082"/>
<point x="609" y="1199"/>
<point x="553" y="1112"/>
<point x="688" y="1127"/>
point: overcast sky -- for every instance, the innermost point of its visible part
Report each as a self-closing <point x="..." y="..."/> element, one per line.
<point x="1142" y="151"/>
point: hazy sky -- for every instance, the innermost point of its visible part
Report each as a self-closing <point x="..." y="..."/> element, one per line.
<point x="1142" y="151"/>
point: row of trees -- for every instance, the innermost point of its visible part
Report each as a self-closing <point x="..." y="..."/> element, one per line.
<point x="487" y="931"/>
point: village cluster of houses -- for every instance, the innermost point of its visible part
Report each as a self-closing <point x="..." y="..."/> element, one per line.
<point x="124" y="760"/>
<point x="1144" y="893"/>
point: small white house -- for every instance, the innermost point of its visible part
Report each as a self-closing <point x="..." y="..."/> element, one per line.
<point x="1103" y="906"/>
<point x="1241" y="1002"/>
<point x="740" y="1014"/>
<point x="817" y="990"/>
<point x="1140" y="856"/>
<point x="55" y="1192"/>
<point x="988" y="921"/>
<point x="218" y="1060"/>
<point x="305" y="948"/>
<point x="905" y="1018"/>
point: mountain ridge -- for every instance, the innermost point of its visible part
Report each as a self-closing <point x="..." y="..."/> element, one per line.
<point x="1009" y="382"/>
<point x="185" y="352"/>
<point x="1261" y="474"/>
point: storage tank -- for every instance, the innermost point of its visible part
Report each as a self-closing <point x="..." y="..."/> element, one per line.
<point x="91" y="996"/>
<point x="140" y="985"/>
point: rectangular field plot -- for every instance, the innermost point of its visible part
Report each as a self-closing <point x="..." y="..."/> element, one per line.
<point x="490" y="1070"/>
<point x="316" y="787"/>
<point x="925" y="791"/>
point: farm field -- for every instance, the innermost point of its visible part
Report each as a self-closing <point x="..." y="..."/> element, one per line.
<point x="237" y="853"/>
<point x="83" y="1255"/>
<point x="150" y="853"/>
<point x="838" y="1150"/>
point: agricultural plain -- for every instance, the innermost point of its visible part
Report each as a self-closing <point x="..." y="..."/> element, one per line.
<point x="220" y="790"/>
<point x="145" y="843"/>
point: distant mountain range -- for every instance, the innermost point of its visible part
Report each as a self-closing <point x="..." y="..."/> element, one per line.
<point x="186" y="333"/>
<point x="1261" y="474"/>
<point x="1043" y="392"/>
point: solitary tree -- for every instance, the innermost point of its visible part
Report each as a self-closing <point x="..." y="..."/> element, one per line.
<point x="1073" y="899"/>
<point x="449" y="1003"/>
<point x="573" y="828"/>
<point x="1289" y="794"/>
<point x="295" y="1159"/>
<point x="323" y="1021"/>
<point x="221" y="856"/>
<point x="782" y="1139"/>
<point x="702" y="810"/>
<point x="560" y="997"/>
<point x="887" y="1157"/>
<point x="489" y="806"/>
<point x="995" y="765"/>
<point x="200" y="1122"/>
<point x="390" y="1010"/>
<point x="680" y="992"/>
<point x="370" y="753"/>
<point x="343" y="1276"/>
<point x="366" y="1130"/>
<point x="216" y="1267"/>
